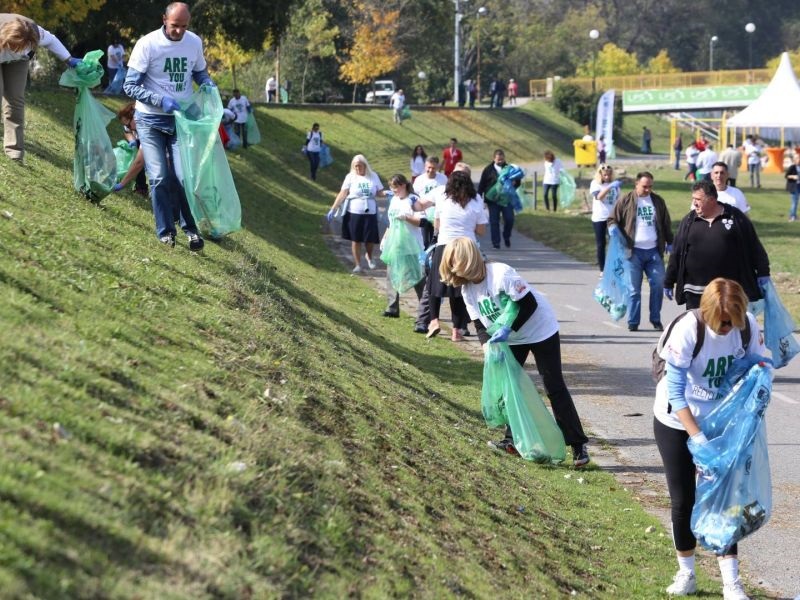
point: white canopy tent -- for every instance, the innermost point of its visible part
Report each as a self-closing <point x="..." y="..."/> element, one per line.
<point x="777" y="108"/>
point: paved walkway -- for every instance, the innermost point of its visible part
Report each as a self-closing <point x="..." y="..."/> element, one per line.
<point x="608" y="370"/>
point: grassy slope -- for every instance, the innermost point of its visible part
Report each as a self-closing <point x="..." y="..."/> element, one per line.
<point x="366" y="467"/>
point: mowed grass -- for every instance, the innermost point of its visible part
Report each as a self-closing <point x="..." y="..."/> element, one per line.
<point x="242" y="423"/>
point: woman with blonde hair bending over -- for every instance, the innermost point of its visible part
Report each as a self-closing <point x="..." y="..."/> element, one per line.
<point x="491" y="289"/>
<point x="360" y="189"/>
<point x="684" y="396"/>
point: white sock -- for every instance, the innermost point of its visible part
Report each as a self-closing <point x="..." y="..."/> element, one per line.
<point x="686" y="563"/>
<point x="729" y="569"/>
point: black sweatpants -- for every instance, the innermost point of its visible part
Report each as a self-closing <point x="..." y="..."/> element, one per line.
<point x="547" y="355"/>
<point x="680" y="472"/>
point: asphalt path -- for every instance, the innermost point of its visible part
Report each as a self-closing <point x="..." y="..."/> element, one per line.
<point x="608" y="371"/>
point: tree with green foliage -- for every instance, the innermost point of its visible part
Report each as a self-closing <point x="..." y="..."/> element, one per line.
<point x="312" y="22"/>
<point x="224" y="55"/>
<point x="661" y="63"/>
<point x="51" y="13"/>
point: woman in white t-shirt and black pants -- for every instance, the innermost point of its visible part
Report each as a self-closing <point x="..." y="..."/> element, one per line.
<point x="489" y="289"/>
<point x="312" y="149"/>
<point x="604" y="191"/>
<point x="459" y="213"/>
<point x="360" y="189"/>
<point x="684" y="397"/>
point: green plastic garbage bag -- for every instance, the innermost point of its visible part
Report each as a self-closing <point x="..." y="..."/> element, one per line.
<point x="401" y="252"/>
<point x="94" y="163"/>
<point x="405" y="112"/>
<point x="253" y="133"/>
<point x="566" y="189"/>
<point x="509" y="397"/>
<point x="207" y="178"/>
<point x="125" y="155"/>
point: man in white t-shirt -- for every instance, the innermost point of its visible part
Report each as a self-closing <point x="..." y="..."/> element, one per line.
<point x="397" y="102"/>
<point x="240" y="105"/>
<point x="705" y="160"/>
<point x="272" y="89"/>
<point x="115" y="57"/>
<point x="643" y="221"/>
<point x="727" y="194"/>
<point x="160" y="72"/>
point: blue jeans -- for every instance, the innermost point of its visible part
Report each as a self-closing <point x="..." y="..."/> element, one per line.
<point x="159" y="144"/>
<point x="495" y="210"/>
<point x="651" y="264"/>
<point x="548" y="187"/>
<point x="793" y="207"/>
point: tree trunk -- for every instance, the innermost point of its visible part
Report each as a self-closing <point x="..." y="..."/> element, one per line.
<point x="303" y="84"/>
<point x="355" y="87"/>
<point x="233" y="70"/>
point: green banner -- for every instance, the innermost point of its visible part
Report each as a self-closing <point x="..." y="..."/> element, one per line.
<point x="691" y="98"/>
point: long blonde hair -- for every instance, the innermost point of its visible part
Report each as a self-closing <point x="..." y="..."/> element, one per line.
<point x="598" y="176"/>
<point x="723" y="296"/>
<point x="462" y="262"/>
<point x="19" y="35"/>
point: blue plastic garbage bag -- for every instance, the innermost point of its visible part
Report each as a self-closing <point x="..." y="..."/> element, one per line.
<point x="207" y="179"/>
<point x="615" y="286"/>
<point x="115" y="85"/>
<point x="778" y="328"/>
<point x="234" y="141"/>
<point x="508" y="396"/>
<point x="734" y="489"/>
<point x="504" y="191"/>
<point x="325" y="158"/>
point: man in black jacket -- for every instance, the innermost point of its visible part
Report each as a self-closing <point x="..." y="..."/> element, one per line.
<point x="714" y="240"/>
<point x="496" y="203"/>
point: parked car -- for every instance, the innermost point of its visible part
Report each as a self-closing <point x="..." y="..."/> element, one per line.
<point x="381" y="92"/>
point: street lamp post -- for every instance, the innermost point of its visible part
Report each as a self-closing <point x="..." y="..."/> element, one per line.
<point x="714" y="39"/>
<point x="457" y="55"/>
<point x="593" y="35"/>
<point x="750" y="28"/>
<point x="481" y="12"/>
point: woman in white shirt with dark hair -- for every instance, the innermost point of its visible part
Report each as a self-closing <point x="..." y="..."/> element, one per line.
<point x="459" y="213"/>
<point x="360" y="190"/>
<point x="417" y="162"/>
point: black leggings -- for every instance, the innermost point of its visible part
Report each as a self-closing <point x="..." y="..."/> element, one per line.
<point x="679" y="470"/>
<point x="547" y="355"/>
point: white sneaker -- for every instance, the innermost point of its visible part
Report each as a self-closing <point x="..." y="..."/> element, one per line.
<point x="356" y="269"/>
<point x="370" y="263"/>
<point x="734" y="591"/>
<point x="683" y="584"/>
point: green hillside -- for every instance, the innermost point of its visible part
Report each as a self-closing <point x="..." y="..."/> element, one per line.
<point x="242" y="423"/>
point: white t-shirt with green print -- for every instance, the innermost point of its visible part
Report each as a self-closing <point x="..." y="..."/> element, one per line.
<point x="706" y="371"/>
<point x="485" y="301"/>
<point x="167" y="65"/>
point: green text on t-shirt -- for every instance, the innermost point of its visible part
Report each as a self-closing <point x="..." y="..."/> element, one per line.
<point x="715" y="370"/>
<point x="177" y="68"/>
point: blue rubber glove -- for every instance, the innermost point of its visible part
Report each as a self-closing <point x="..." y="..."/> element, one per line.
<point x="73" y="62"/>
<point x="763" y="281"/>
<point x="669" y="248"/>
<point x="133" y="143"/>
<point x="169" y="104"/>
<point x="330" y="214"/>
<point x="208" y="86"/>
<point x="501" y="335"/>
<point x="118" y="187"/>
<point x="668" y="293"/>
<point x="249" y="108"/>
